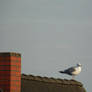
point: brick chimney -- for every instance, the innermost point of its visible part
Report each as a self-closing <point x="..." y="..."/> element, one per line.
<point x="10" y="72"/>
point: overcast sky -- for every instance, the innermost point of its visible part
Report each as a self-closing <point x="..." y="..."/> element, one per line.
<point x="51" y="35"/>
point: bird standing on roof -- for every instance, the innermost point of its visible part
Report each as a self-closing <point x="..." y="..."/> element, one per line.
<point x="73" y="71"/>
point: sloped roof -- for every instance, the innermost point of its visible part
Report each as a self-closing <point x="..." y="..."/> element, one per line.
<point x="51" y="80"/>
<point x="32" y="83"/>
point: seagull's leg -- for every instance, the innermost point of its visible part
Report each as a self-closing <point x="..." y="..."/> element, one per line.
<point x="72" y="77"/>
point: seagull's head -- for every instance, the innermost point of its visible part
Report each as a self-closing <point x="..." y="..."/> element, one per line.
<point x="79" y="64"/>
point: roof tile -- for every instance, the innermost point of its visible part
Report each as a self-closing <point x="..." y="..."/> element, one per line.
<point x="51" y="80"/>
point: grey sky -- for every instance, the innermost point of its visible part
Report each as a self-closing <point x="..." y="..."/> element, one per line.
<point x="50" y="34"/>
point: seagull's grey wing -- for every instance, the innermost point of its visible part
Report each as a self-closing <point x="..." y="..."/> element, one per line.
<point x="69" y="70"/>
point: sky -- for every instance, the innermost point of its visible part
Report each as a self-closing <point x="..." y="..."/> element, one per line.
<point x="51" y="35"/>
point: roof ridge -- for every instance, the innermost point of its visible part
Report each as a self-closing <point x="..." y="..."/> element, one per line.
<point x="51" y="80"/>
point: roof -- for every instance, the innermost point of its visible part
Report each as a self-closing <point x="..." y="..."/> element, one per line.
<point x="51" y="80"/>
<point x="45" y="84"/>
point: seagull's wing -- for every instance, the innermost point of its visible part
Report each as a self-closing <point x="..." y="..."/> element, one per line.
<point x="70" y="70"/>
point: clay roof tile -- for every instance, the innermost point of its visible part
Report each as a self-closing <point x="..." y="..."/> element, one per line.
<point x="51" y="80"/>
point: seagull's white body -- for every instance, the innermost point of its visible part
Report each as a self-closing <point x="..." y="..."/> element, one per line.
<point x="77" y="70"/>
<point x="73" y="71"/>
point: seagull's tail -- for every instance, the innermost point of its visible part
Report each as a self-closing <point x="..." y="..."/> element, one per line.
<point x="61" y="71"/>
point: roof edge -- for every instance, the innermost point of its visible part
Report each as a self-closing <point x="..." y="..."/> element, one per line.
<point x="51" y="80"/>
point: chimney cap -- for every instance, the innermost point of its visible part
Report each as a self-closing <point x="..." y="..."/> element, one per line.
<point x="10" y="54"/>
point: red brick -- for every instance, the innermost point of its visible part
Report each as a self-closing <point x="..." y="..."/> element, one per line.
<point x="10" y="72"/>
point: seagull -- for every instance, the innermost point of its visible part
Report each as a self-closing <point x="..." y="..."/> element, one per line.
<point x="73" y="71"/>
